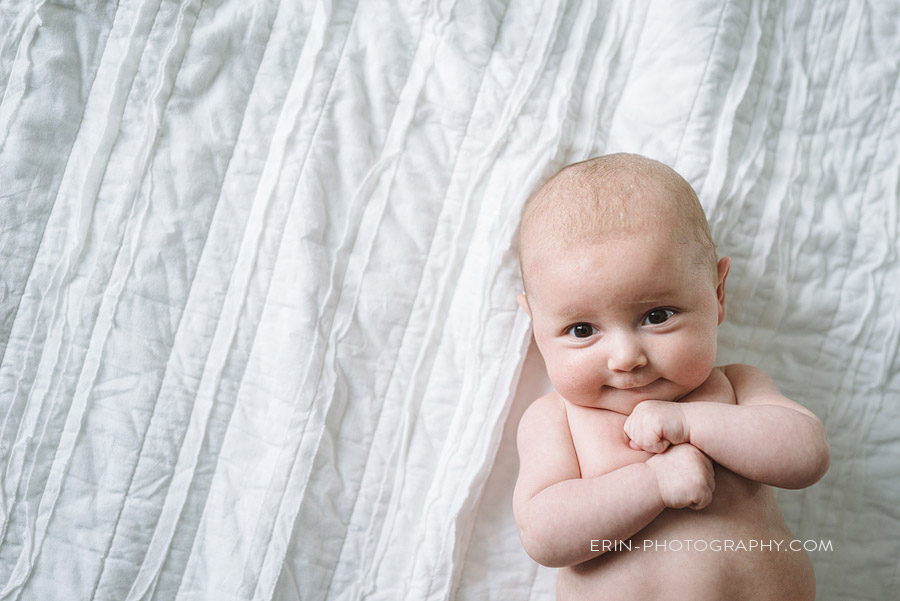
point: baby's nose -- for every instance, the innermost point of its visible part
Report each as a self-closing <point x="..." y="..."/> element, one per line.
<point x="625" y="354"/>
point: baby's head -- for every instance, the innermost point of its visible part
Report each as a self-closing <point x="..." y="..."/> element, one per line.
<point x="610" y="197"/>
<point x="621" y="282"/>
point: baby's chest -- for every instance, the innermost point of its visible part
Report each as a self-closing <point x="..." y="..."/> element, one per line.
<point x="600" y="442"/>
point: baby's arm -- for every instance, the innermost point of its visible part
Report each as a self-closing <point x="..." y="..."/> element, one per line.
<point x="764" y="437"/>
<point x="558" y="512"/>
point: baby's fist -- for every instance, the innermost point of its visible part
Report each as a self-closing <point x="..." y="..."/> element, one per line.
<point x="654" y="425"/>
<point x="685" y="477"/>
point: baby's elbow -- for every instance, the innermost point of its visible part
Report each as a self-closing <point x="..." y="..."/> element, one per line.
<point x="545" y="554"/>
<point x="541" y="543"/>
<point x="823" y="456"/>
<point x="537" y="547"/>
<point x="818" y="459"/>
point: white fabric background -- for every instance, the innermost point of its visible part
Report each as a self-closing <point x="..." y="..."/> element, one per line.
<point x="258" y="331"/>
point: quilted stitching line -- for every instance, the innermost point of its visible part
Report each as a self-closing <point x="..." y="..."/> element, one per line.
<point x="630" y="69"/>
<point x="162" y="380"/>
<point x="334" y="286"/>
<point x="34" y="333"/>
<point x="703" y="79"/>
<point x="157" y="121"/>
<point x="390" y="377"/>
<point x="454" y="443"/>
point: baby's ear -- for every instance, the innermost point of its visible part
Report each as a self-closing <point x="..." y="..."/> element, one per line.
<point x="523" y="302"/>
<point x="723" y="267"/>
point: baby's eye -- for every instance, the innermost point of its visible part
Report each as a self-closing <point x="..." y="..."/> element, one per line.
<point x="581" y="330"/>
<point x="658" y="316"/>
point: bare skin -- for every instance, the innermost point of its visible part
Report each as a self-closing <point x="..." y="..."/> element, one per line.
<point x="739" y="509"/>
<point x="643" y="438"/>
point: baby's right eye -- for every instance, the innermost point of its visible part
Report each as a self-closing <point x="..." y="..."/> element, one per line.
<point x="581" y="330"/>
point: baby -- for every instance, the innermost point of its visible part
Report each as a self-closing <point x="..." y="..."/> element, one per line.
<point x="646" y="473"/>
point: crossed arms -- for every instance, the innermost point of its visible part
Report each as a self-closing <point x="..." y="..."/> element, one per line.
<point x="764" y="437"/>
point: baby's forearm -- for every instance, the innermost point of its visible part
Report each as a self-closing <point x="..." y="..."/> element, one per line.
<point x="772" y="444"/>
<point x="558" y="524"/>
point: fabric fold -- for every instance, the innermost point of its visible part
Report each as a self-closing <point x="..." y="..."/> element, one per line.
<point x="258" y="270"/>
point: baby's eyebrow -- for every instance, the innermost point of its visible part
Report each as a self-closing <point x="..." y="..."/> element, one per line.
<point x="655" y="300"/>
<point x="574" y="313"/>
<point x="656" y="295"/>
<point x="570" y="313"/>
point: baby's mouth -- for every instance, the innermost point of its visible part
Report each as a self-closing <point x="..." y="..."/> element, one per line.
<point x="644" y="390"/>
<point x="634" y="387"/>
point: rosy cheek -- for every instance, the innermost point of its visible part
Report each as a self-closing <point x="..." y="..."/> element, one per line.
<point x="556" y="373"/>
<point x="700" y="359"/>
<point x="572" y="379"/>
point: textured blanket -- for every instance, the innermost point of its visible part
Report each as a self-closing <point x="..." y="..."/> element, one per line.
<point x="258" y="329"/>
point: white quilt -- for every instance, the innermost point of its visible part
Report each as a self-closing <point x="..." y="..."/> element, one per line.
<point x="258" y="329"/>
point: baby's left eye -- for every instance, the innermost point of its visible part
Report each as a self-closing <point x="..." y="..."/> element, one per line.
<point x="658" y="316"/>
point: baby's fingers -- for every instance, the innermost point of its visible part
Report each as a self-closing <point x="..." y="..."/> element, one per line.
<point x="657" y="445"/>
<point x="705" y="499"/>
<point x="643" y="438"/>
<point x="705" y="495"/>
<point x="645" y="430"/>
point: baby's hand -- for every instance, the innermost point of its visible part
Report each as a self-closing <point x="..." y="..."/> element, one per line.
<point x="654" y="425"/>
<point x="685" y="477"/>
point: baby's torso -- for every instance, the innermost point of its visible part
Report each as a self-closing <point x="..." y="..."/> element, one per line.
<point x="738" y="547"/>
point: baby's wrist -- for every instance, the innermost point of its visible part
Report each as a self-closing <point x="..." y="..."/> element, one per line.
<point x="677" y="429"/>
<point x="655" y="484"/>
<point x="685" y="424"/>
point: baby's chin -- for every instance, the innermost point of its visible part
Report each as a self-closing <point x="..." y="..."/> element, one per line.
<point x="625" y="400"/>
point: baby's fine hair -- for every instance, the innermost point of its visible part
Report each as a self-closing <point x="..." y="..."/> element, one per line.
<point x="610" y="197"/>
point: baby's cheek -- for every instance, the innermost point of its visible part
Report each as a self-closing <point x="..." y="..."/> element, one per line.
<point x="575" y="382"/>
<point x="698" y="360"/>
<point x="556" y="373"/>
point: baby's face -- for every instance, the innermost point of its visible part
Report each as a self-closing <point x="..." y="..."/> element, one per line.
<point x="623" y="321"/>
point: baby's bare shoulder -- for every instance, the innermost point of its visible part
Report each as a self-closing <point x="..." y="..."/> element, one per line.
<point x="736" y="383"/>
<point x="742" y="370"/>
<point x="750" y="383"/>
<point x="752" y="386"/>
<point x="546" y="452"/>
<point x="548" y="411"/>
<point x="717" y="389"/>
